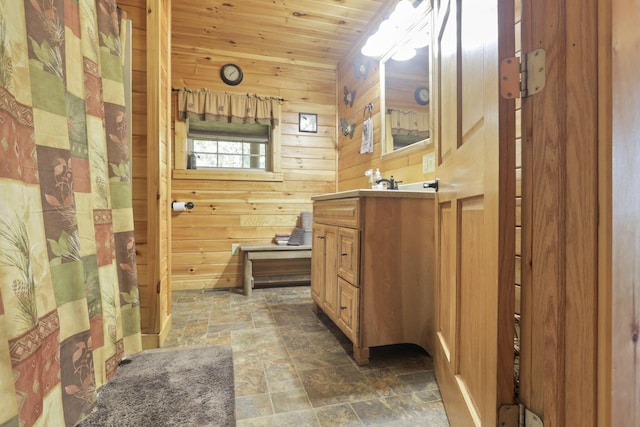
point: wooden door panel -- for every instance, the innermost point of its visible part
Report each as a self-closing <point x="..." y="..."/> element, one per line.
<point x="472" y="70"/>
<point x="446" y="292"/>
<point x="448" y="86"/>
<point x="471" y="309"/>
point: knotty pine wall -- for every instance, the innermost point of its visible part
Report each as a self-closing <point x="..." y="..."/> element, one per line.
<point x="150" y="161"/>
<point x="227" y="211"/>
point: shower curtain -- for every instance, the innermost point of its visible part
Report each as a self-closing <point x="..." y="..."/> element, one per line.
<point x="69" y="308"/>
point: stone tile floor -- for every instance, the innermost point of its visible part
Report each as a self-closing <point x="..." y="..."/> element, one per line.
<point x="294" y="368"/>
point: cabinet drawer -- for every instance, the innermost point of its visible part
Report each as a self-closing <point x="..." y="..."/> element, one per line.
<point x="342" y="212"/>
<point x="348" y="254"/>
<point x="348" y="305"/>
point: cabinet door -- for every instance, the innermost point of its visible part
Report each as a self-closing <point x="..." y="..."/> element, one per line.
<point x="318" y="262"/>
<point x="348" y="301"/>
<point x="330" y="303"/>
<point x="324" y="276"/>
<point x="348" y="255"/>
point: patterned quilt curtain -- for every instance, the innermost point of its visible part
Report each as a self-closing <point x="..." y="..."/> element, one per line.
<point x="225" y="107"/>
<point x="409" y="122"/>
<point x="69" y="309"/>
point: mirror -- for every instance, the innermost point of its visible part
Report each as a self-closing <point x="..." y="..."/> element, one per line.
<point x="405" y="90"/>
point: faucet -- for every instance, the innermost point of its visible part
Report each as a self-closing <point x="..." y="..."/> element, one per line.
<point x="392" y="184"/>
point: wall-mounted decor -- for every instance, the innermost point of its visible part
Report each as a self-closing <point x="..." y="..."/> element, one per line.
<point x="347" y="129"/>
<point x="231" y="74"/>
<point x="308" y="122"/>
<point x="422" y="95"/>
<point x="361" y="68"/>
<point x="349" y="96"/>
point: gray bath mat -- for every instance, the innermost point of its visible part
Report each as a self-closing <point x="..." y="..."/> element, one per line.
<point x="182" y="387"/>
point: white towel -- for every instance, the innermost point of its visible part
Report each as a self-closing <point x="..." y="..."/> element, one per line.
<point x="367" y="136"/>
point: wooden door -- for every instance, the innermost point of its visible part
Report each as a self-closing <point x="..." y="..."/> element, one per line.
<point x="475" y="213"/>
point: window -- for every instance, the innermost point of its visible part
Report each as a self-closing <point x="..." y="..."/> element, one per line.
<point x="221" y="145"/>
<point x="225" y="153"/>
<point x="227" y="137"/>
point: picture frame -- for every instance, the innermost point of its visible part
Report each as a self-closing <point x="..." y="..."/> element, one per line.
<point x="308" y="122"/>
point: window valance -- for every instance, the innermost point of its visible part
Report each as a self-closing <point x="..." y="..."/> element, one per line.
<point x="409" y="122"/>
<point x="225" y="107"/>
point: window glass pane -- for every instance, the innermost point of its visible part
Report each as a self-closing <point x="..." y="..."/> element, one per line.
<point x="229" y="147"/>
<point x="221" y="152"/>
<point x="230" y="161"/>
<point x="205" y="146"/>
<point x="206" y="160"/>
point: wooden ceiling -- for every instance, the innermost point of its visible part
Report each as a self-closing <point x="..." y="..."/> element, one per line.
<point x="303" y="31"/>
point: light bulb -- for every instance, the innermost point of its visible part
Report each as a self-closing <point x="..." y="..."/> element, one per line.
<point x="404" y="54"/>
<point x="402" y="13"/>
<point x="420" y="39"/>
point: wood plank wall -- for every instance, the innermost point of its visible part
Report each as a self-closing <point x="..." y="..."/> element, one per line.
<point x="352" y="164"/>
<point x="227" y="211"/>
<point x="136" y="11"/>
<point x="150" y="162"/>
<point x="518" y="142"/>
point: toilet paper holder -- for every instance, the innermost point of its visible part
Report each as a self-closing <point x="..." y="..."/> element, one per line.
<point x="181" y="206"/>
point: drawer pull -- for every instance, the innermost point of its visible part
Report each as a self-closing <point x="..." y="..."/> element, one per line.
<point x="344" y="254"/>
<point x="343" y="308"/>
<point x="320" y="237"/>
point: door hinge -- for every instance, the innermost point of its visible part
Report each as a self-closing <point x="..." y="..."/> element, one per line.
<point x="522" y="77"/>
<point x="517" y="416"/>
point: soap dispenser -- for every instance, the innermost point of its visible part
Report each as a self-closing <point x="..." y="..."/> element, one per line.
<point x="376" y="178"/>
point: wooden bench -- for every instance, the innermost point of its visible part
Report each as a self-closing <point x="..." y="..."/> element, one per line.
<point x="272" y="251"/>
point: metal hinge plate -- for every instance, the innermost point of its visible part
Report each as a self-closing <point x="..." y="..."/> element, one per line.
<point x="519" y="79"/>
<point x="517" y="416"/>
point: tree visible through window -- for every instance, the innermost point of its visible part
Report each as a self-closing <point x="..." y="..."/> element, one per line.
<point x="227" y="153"/>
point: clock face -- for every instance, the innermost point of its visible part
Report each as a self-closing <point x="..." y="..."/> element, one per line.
<point x="422" y="95"/>
<point x="231" y="74"/>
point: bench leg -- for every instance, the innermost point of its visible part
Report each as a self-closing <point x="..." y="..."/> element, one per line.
<point x="248" y="275"/>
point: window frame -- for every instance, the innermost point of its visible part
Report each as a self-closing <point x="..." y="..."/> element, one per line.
<point x="192" y="138"/>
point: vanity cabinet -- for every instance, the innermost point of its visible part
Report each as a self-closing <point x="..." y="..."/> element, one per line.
<point x="372" y="266"/>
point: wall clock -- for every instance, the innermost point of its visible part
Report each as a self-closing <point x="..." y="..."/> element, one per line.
<point x="422" y="95"/>
<point x="231" y="74"/>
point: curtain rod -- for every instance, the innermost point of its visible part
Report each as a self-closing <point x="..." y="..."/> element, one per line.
<point x="277" y="98"/>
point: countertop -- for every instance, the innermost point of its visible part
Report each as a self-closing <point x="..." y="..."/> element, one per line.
<point x="409" y="194"/>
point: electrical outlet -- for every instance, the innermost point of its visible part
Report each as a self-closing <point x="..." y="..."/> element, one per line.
<point x="429" y="162"/>
<point x="235" y="248"/>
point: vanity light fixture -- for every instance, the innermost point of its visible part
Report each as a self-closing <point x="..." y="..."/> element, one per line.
<point x="399" y="30"/>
